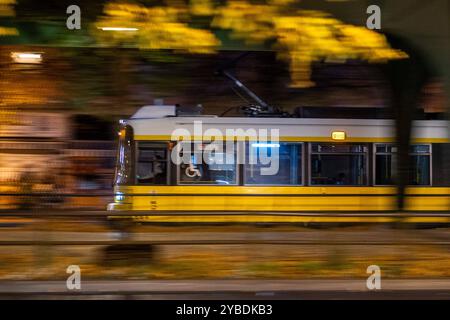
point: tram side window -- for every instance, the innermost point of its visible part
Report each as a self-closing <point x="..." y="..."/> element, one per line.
<point x="386" y="163"/>
<point x="208" y="163"/>
<point x="338" y="164"/>
<point x="285" y="159"/>
<point x="152" y="163"/>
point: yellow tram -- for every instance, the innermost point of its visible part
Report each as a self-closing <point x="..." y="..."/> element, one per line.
<point x="324" y="165"/>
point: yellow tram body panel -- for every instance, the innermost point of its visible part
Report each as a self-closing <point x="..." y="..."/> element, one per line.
<point x="278" y="199"/>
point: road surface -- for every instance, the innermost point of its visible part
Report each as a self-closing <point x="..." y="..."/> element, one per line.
<point x="229" y="289"/>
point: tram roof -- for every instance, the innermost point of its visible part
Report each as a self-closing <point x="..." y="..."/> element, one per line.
<point x="289" y="129"/>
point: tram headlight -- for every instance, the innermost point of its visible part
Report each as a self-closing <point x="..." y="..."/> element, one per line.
<point x="119" y="197"/>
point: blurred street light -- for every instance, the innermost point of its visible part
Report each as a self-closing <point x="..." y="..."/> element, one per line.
<point x="26" y="57"/>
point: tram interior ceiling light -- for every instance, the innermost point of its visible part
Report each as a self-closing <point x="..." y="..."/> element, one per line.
<point x="27" y="57"/>
<point x="118" y="29"/>
<point x="265" y="145"/>
<point x="338" y="135"/>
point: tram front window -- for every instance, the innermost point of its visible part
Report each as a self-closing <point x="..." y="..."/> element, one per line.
<point x="125" y="157"/>
<point x="208" y="163"/>
<point x="338" y="164"/>
<point x="152" y="163"/>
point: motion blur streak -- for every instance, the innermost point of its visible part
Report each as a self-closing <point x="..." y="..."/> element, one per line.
<point x="86" y="122"/>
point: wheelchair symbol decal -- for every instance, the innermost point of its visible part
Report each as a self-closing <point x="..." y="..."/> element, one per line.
<point x="192" y="171"/>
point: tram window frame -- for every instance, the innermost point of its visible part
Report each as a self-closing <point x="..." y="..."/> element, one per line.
<point x="167" y="160"/>
<point x="301" y="169"/>
<point x="429" y="153"/>
<point x="236" y="167"/>
<point x="365" y="154"/>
